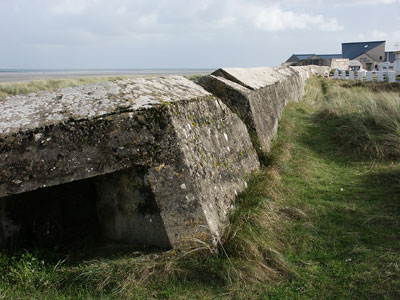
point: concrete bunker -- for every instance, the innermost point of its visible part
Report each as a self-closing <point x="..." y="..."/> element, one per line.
<point x="258" y="96"/>
<point x="118" y="207"/>
<point x="127" y="209"/>
<point x="165" y="139"/>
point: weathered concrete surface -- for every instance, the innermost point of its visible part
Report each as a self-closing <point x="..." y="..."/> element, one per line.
<point x="193" y="154"/>
<point x="127" y="209"/>
<point x="258" y="95"/>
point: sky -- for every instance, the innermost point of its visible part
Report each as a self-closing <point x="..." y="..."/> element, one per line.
<point x="155" y="34"/>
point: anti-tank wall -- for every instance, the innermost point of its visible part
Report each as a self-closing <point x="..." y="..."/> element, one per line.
<point x="259" y="95"/>
<point x="164" y="157"/>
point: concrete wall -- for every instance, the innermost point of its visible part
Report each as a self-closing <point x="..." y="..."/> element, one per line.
<point x="259" y="95"/>
<point x="165" y="157"/>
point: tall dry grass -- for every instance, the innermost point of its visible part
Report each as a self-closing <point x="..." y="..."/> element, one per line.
<point x="367" y="122"/>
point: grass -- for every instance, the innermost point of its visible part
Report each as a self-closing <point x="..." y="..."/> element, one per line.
<point x="320" y="222"/>
<point x="34" y="86"/>
<point x="366" y="120"/>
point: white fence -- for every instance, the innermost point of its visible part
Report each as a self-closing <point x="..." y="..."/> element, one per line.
<point x="379" y="76"/>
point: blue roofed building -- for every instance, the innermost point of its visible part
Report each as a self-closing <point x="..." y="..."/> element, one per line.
<point x="331" y="60"/>
<point x="330" y="56"/>
<point x="364" y="55"/>
<point x="369" y="54"/>
<point x="299" y="57"/>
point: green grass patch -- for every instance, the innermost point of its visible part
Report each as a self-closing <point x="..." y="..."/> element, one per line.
<point x="321" y="221"/>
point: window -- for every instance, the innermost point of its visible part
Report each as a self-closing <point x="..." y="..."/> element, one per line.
<point x="380" y="57"/>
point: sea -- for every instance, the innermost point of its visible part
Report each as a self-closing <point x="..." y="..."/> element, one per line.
<point x="25" y="75"/>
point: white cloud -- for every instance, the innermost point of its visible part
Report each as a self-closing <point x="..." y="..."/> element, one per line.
<point x="361" y="37"/>
<point x="226" y="22"/>
<point x="379" y="35"/>
<point x="146" y="21"/>
<point x="274" y="18"/>
<point x="331" y="25"/>
<point x="70" y="7"/>
<point x="160" y="16"/>
<point x="364" y="2"/>
<point x="121" y="10"/>
<point x="392" y="38"/>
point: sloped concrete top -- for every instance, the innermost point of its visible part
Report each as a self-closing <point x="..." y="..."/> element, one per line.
<point x="26" y="112"/>
<point x="232" y="84"/>
<point x="253" y="78"/>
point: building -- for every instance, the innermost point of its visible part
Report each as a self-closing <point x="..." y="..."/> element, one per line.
<point x="396" y="63"/>
<point x="355" y="65"/>
<point x="334" y="61"/>
<point x="296" y="58"/>
<point x="369" y="54"/>
<point x="355" y="56"/>
<point x="390" y="56"/>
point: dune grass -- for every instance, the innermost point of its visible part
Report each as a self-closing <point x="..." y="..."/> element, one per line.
<point x="322" y="221"/>
<point x="367" y="121"/>
<point x="34" y="86"/>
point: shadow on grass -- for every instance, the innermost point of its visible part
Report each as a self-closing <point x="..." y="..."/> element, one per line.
<point x="338" y="139"/>
<point x="354" y="240"/>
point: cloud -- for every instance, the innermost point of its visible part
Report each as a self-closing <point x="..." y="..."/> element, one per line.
<point x="206" y="17"/>
<point x="274" y="18"/>
<point x="361" y="37"/>
<point x="379" y="35"/>
<point x="331" y="25"/>
<point x="392" y="38"/>
<point x="344" y="3"/>
<point x="70" y="7"/>
<point x="121" y="10"/>
<point x="147" y="21"/>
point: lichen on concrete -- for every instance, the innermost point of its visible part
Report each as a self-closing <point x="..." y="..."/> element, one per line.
<point x="166" y="156"/>
<point x="90" y="101"/>
<point x="194" y="151"/>
<point x="258" y="95"/>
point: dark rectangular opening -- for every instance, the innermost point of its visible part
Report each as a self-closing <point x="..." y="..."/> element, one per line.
<point x="63" y="215"/>
<point x="114" y="209"/>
